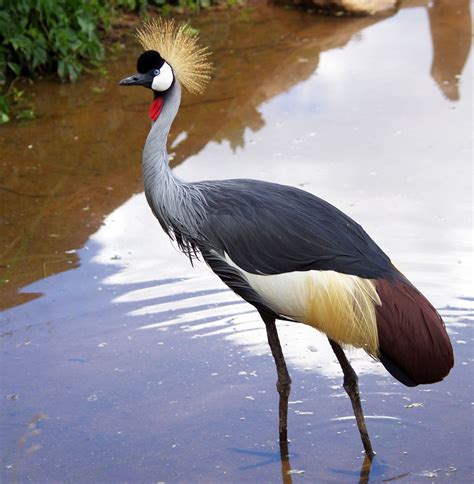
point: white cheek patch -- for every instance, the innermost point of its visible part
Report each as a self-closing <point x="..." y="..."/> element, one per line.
<point x="164" y="79"/>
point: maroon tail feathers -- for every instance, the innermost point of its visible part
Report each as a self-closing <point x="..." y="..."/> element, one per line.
<point x="413" y="342"/>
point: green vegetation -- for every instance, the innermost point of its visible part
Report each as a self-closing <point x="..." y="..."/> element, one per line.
<point x="65" y="37"/>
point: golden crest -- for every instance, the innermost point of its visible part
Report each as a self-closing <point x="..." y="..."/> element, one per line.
<point x="179" y="46"/>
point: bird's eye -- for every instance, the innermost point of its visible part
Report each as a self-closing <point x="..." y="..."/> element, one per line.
<point x="156" y="72"/>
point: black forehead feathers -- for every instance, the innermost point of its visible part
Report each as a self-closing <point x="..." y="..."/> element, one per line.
<point x="149" y="60"/>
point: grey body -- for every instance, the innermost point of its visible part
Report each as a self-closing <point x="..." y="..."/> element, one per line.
<point x="264" y="228"/>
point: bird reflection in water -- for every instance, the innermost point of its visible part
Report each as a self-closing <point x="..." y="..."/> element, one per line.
<point x="284" y="451"/>
<point x="285" y="456"/>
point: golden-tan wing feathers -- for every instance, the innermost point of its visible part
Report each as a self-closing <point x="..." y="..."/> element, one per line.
<point x="180" y="48"/>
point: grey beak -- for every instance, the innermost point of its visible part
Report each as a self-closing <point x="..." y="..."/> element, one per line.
<point x="135" y="80"/>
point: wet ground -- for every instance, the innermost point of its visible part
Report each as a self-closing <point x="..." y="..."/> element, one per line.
<point x="121" y="363"/>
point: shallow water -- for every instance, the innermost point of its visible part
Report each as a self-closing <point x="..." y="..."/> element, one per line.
<point x="121" y="363"/>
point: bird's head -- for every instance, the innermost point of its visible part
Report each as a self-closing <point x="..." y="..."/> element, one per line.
<point x="153" y="72"/>
<point x="172" y="55"/>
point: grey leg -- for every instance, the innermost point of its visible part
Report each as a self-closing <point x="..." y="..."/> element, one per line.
<point x="284" y="380"/>
<point x="352" y="389"/>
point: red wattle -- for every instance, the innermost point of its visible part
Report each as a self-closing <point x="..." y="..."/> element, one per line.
<point x="155" y="108"/>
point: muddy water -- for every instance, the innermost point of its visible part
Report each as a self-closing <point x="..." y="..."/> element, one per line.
<point x="121" y="363"/>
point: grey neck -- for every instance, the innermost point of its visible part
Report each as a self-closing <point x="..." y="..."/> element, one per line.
<point x="177" y="205"/>
<point x="156" y="140"/>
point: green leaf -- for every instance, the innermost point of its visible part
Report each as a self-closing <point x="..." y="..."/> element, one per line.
<point x="86" y="25"/>
<point x="14" y="67"/>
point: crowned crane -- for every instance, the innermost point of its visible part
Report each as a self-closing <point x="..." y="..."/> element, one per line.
<point x="290" y="254"/>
